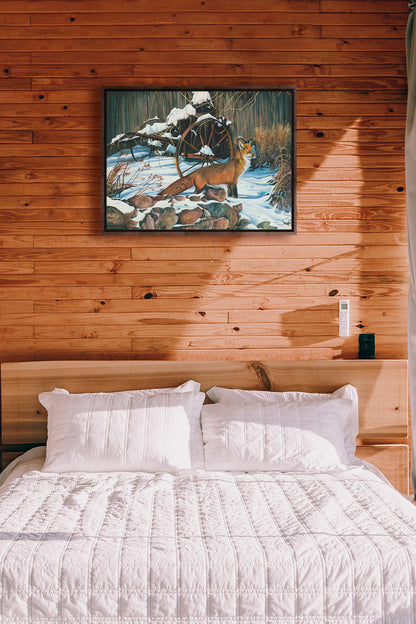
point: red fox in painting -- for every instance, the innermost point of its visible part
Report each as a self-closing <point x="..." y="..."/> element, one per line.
<point x="219" y="173"/>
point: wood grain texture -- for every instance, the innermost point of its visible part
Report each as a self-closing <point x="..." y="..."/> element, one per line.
<point x="381" y="386"/>
<point x="392" y="460"/>
<point x="68" y="292"/>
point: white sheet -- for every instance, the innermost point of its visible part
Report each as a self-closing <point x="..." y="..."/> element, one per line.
<point x="217" y="548"/>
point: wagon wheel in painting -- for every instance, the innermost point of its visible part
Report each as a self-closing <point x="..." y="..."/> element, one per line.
<point x="205" y="142"/>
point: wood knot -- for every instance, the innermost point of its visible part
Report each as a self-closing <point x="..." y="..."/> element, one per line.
<point x="117" y="264"/>
<point x="262" y="375"/>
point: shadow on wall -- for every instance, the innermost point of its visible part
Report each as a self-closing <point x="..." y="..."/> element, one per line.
<point x="239" y="296"/>
<point x="351" y="222"/>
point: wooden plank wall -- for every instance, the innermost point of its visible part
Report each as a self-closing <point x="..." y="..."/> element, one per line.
<point x="68" y="292"/>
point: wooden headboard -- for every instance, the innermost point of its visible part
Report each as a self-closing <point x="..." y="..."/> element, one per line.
<point x="381" y="384"/>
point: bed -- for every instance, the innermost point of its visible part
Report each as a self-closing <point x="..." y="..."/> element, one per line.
<point x="220" y="546"/>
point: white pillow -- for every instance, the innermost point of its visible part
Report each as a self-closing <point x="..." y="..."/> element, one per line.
<point x="292" y="436"/>
<point x="129" y="431"/>
<point x="351" y="424"/>
<point x="187" y="386"/>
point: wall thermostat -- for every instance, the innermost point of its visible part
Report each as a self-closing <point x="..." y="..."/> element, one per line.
<point x="344" y="317"/>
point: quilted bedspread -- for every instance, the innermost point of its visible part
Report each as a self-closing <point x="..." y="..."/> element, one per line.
<point x="196" y="548"/>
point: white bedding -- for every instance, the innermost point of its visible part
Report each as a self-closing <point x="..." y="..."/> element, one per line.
<point x="196" y="548"/>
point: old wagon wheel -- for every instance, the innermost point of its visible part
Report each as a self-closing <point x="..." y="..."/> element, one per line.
<point x="205" y="142"/>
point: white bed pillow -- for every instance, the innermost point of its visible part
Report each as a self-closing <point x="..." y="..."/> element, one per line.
<point x="303" y="436"/>
<point x="351" y="424"/>
<point x="132" y="430"/>
<point x="187" y="386"/>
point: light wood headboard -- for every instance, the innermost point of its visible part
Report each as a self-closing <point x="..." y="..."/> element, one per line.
<point x="381" y="385"/>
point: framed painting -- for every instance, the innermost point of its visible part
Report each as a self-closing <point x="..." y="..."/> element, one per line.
<point x="179" y="160"/>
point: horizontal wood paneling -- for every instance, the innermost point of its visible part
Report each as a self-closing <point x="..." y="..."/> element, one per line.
<point x="381" y="386"/>
<point x="193" y="17"/>
<point x="67" y="291"/>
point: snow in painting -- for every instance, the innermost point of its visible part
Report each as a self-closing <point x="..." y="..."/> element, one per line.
<point x="202" y="165"/>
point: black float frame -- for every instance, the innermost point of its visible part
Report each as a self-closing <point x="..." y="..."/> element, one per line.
<point x="104" y="143"/>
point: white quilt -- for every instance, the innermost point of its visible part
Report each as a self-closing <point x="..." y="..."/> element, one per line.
<point x="196" y="548"/>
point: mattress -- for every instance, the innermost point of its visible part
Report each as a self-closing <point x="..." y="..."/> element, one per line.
<point x="205" y="547"/>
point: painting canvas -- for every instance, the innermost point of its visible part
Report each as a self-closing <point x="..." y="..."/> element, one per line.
<point x="198" y="160"/>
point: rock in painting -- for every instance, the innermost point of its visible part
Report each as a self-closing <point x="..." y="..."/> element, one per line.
<point x="221" y="224"/>
<point x="141" y="201"/>
<point x="216" y="193"/>
<point x="147" y="223"/>
<point x="265" y="225"/>
<point x="118" y="220"/>
<point x="232" y="216"/>
<point x="187" y="217"/>
<point x="217" y="209"/>
<point x="243" y="223"/>
<point x="205" y="223"/>
<point x="164" y="218"/>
